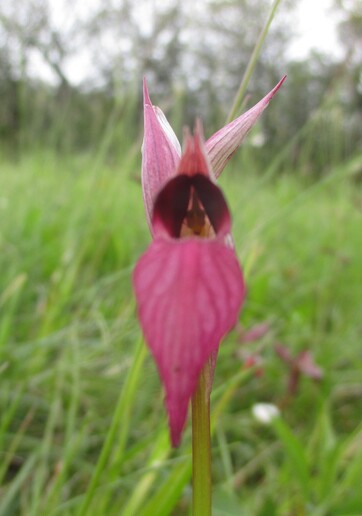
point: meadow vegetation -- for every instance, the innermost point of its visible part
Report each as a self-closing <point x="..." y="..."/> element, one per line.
<point x="83" y="429"/>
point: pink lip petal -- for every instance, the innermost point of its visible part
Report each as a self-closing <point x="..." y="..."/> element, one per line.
<point x="189" y="293"/>
<point x="222" y="145"/>
<point x="160" y="155"/>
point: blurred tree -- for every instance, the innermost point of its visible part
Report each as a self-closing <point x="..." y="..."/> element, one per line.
<point x="350" y="28"/>
<point x="350" y="32"/>
<point x="9" y="112"/>
<point x="193" y="54"/>
<point x="29" y="28"/>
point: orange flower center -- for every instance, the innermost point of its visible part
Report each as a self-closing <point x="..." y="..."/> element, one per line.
<point x="196" y="222"/>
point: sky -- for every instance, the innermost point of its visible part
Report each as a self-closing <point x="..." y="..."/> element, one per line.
<point x="316" y="28"/>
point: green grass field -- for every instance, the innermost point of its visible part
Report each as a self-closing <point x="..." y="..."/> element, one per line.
<point x="83" y="430"/>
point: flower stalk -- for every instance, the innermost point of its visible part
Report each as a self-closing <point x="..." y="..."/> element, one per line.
<point x="201" y="445"/>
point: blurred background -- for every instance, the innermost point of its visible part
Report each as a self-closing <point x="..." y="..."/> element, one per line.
<point x="71" y="69"/>
<point x="83" y="430"/>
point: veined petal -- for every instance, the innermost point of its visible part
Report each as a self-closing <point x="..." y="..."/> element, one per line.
<point x="160" y="152"/>
<point x="170" y="133"/>
<point x="222" y="145"/>
<point x="189" y="293"/>
<point x="194" y="159"/>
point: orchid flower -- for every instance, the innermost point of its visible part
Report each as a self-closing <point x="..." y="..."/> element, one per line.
<point x="189" y="285"/>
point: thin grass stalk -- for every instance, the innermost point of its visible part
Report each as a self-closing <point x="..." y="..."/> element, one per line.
<point x="252" y="64"/>
<point x="124" y="401"/>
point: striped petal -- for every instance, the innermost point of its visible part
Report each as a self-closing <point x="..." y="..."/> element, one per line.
<point x="189" y="293"/>
<point x="222" y="145"/>
<point x="194" y="159"/>
<point x="160" y="152"/>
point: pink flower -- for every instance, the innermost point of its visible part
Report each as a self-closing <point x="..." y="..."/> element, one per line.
<point x="302" y="364"/>
<point x="189" y="286"/>
<point x="256" y="332"/>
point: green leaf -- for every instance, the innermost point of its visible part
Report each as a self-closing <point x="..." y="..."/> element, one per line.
<point x="295" y="455"/>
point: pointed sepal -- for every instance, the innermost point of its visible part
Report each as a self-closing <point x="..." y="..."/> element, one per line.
<point x="194" y="159"/>
<point x="160" y="152"/>
<point x="222" y="145"/>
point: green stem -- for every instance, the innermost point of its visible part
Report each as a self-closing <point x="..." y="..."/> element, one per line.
<point x="201" y="445"/>
<point x="252" y="63"/>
